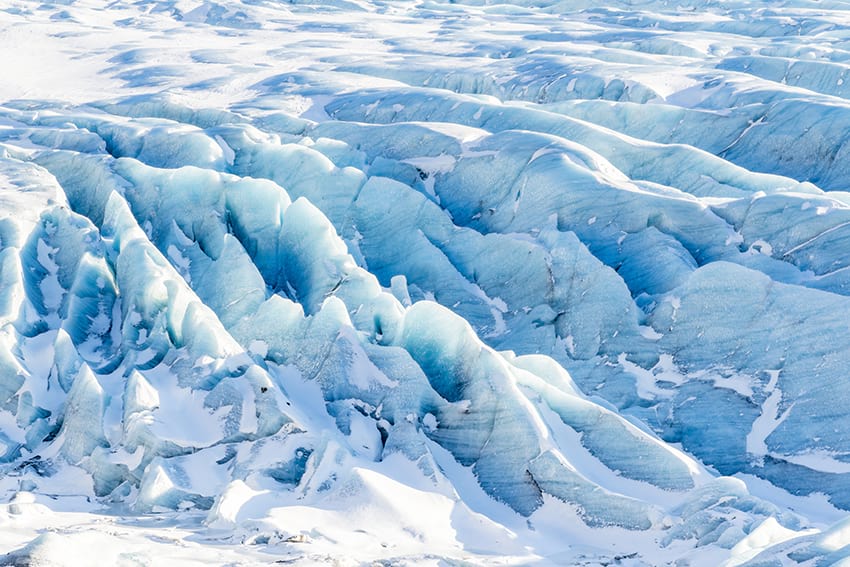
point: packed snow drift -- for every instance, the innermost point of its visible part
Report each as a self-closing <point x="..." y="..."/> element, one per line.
<point x="425" y="283"/>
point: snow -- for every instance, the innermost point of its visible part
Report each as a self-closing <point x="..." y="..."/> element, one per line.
<point x="767" y="534"/>
<point x="769" y="419"/>
<point x="818" y="461"/>
<point x="509" y="282"/>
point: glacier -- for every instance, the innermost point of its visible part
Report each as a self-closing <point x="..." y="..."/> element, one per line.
<point x="434" y="282"/>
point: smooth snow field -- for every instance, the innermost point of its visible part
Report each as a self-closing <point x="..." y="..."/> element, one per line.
<point x="425" y="282"/>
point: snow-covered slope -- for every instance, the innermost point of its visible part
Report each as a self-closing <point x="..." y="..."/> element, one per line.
<point x="424" y="282"/>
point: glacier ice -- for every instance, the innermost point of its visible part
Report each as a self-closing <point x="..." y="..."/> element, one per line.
<point x="508" y="260"/>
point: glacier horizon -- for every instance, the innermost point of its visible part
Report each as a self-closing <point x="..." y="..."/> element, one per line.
<point x="570" y="280"/>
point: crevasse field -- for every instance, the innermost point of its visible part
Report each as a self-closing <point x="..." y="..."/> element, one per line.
<point x="425" y="282"/>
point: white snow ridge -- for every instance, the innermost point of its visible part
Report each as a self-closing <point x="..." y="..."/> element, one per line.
<point x="425" y="282"/>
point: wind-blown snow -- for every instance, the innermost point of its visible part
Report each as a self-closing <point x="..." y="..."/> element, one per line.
<point x="463" y="282"/>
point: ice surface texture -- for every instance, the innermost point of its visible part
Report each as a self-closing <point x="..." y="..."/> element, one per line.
<point x="576" y="255"/>
<point x="164" y="320"/>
